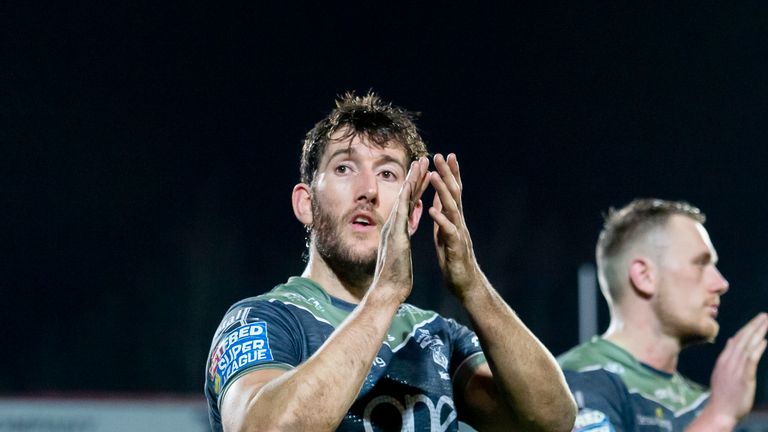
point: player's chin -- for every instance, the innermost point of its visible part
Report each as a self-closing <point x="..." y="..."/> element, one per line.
<point x="706" y="332"/>
<point x="364" y="255"/>
<point x="710" y="331"/>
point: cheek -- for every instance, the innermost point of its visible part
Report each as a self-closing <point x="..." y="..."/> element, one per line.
<point x="329" y="194"/>
<point x="685" y="281"/>
<point x="325" y="208"/>
<point x="676" y="298"/>
<point x="330" y="185"/>
<point x="388" y="193"/>
<point x="677" y="292"/>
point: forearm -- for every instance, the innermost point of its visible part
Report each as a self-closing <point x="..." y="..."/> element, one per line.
<point x="531" y="385"/>
<point x="318" y="393"/>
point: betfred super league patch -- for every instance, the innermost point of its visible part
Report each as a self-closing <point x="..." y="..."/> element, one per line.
<point x="592" y="421"/>
<point x="241" y="348"/>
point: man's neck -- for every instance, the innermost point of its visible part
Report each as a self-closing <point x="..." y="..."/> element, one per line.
<point x="645" y="343"/>
<point x="321" y="273"/>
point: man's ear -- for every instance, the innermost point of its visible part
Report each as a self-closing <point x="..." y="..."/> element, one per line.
<point x="413" y="219"/>
<point x="642" y="275"/>
<point x="301" y="198"/>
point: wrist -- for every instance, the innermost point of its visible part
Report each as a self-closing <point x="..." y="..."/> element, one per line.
<point x="717" y="421"/>
<point x="477" y="292"/>
<point x="383" y="298"/>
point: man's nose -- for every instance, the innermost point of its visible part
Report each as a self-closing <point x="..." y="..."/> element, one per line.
<point x="367" y="187"/>
<point x="721" y="283"/>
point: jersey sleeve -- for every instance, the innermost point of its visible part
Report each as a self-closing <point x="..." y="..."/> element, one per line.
<point x="252" y="335"/>
<point x="603" y="402"/>
<point x="466" y="354"/>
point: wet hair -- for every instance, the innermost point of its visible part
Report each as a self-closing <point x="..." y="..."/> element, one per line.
<point x="380" y="122"/>
<point x="628" y="225"/>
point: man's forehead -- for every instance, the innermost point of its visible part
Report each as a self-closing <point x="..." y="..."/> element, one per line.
<point x="704" y="235"/>
<point x="687" y="226"/>
<point x="342" y="141"/>
<point x="685" y="232"/>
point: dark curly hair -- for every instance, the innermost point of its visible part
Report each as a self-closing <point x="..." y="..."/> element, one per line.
<point x="368" y="115"/>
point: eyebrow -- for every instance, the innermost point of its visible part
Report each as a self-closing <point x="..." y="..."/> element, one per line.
<point x="383" y="159"/>
<point x="705" y="257"/>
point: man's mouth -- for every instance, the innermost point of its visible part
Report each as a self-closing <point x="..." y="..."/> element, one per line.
<point x="363" y="221"/>
<point x="713" y="310"/>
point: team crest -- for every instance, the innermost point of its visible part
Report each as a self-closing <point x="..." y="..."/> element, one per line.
<point x="426" y="340"/>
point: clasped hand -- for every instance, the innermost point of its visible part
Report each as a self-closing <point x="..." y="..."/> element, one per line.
<point x="451" y="237"/>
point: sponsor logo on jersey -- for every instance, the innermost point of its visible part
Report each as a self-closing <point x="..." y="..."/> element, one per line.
<point x="240" y="316"/>
<point x="592" y="421"/>
<point x="435" y="411"/>
<point x="660" y="423"/>
<point x="243" y="347"/>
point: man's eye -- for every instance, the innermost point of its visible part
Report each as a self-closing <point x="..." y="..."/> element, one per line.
<point x="703" y="261"/>
<point x="342" y="169"/>
<point x="389" y="175"/>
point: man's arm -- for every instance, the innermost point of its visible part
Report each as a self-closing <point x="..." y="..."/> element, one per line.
<point x="521" y="375"/>
<point x="523" y="388"/>
<point x="318" y="393"/>
<point x="733" y="379"/>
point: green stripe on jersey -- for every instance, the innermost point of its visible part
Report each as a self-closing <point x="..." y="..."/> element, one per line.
<point x="673" y="391"/>
<point x="307" y="295"/>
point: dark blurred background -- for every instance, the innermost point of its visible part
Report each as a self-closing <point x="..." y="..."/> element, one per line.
<point x="149" y="152"/>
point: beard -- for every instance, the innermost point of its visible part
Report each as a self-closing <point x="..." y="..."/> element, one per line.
<point x="690" y="330"/>
<point x="350" y="266"/>
<point x="700" y="336"/>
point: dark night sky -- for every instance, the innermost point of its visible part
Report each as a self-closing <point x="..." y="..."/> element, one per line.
<point x="149" y="153"/>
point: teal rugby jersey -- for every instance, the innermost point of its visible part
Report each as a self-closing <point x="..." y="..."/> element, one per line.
<point x="616" y="392"/>
<point x="410" y="384"/>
